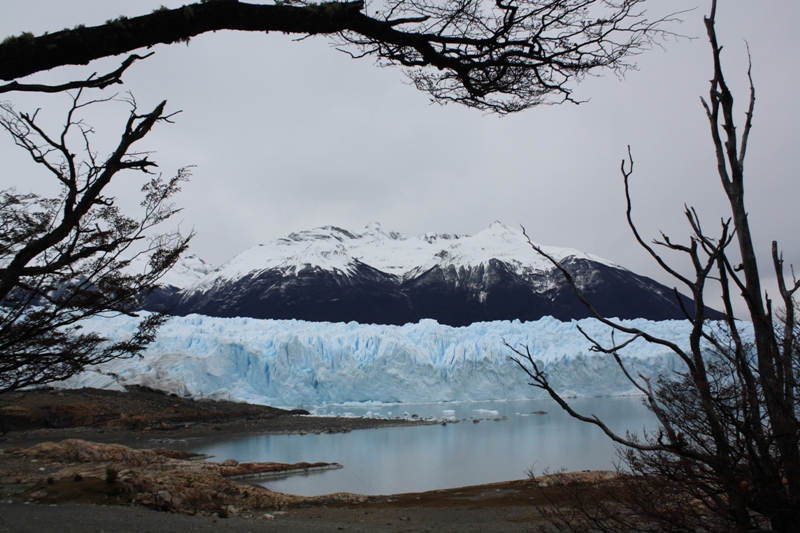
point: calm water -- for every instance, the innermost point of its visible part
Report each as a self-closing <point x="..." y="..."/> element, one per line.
<point x="395" y="460"/>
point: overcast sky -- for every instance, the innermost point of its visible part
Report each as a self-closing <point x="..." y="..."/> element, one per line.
<point x="291" y="135"/>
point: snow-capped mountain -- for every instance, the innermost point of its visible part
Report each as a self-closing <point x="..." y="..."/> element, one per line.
<point x="186" y="272"/>
<point x="374" y="276"/>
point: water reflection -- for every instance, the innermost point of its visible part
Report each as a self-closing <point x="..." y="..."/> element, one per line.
<point x="394" y="460"/>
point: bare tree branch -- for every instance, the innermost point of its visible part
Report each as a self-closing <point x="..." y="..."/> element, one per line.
<point x="727" y="454"/>
<point x="497" y="56"/>
<point x="91" y="82"/>
<point x="66" y="259"/>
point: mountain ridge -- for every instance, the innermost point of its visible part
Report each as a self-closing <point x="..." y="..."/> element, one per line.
<point x="374" y="276"/>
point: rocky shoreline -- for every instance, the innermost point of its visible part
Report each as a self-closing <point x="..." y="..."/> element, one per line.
<point x="113" y="487"/>
<point x="158" y="479"/>
<point x="145" y="418"/>
<point x="86" y="456"/>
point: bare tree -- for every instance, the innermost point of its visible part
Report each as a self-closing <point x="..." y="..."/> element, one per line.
<point x="71" y="257"/>
<point x="503" y="56"/>
<point x="726" y="454"/>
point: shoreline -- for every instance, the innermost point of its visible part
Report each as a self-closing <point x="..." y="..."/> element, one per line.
<point x="114" y="488"/>
<point x="142" y="417"/>
<point x="287" y="425"/>
<point x="118" y="491"/>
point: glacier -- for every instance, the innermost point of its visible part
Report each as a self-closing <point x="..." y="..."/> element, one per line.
<point x="291" y="363"/>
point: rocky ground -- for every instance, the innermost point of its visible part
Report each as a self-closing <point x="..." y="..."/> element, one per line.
<point x="91" y="482"/>
<point x="142" y="417"/>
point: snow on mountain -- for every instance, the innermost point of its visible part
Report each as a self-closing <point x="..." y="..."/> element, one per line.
<point x="330" y="274"/>
<point x="294" y="363"/>
<point x="187" y="271"/>
<point x="335" y="249"/>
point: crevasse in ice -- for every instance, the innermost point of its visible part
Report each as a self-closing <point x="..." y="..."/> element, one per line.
<point x="296" y="363"/>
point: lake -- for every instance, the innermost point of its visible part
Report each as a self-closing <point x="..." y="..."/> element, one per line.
<point x="414" y="459"/>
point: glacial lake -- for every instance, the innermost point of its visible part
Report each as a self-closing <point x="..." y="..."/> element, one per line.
<point x="415" y="459"/>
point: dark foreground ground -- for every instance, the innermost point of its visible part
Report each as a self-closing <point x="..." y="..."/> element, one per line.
<point x="31" y="500"/>
<point x="512" y="507"/>
<point x="476" y="509"/>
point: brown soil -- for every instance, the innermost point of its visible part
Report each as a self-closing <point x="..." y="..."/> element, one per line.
<point x="511" y="507"/>
<point x="143" y="416"/>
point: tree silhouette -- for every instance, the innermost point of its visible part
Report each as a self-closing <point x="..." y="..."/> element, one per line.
<point x="77" y="255"/>
<point x="726" y="454"/>
<point x="501" y="56"/>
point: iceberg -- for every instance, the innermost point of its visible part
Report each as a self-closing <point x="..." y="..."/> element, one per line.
<point x="293" y="363"/>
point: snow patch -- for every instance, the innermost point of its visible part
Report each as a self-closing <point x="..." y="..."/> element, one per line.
<point x="338" y="250"/>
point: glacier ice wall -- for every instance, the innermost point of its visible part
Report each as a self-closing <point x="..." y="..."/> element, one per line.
<point x="296" y="363"/>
